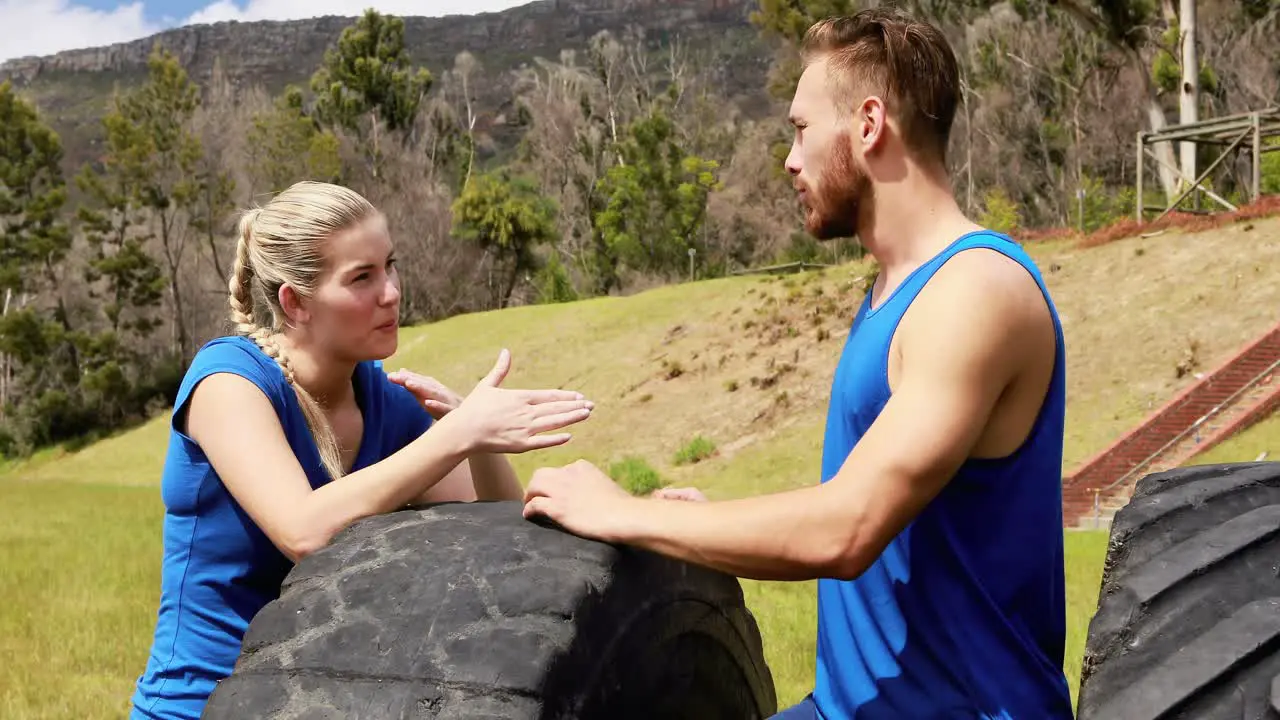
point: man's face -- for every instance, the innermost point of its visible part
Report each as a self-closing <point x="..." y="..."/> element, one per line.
<point x="832" y="182"/>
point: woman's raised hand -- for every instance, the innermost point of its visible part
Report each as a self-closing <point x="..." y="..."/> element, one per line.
<point x="500" y="420"/>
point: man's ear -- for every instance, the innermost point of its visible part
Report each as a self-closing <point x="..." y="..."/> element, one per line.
<point x="871" y="124"/>
<point x="294" y="305"/>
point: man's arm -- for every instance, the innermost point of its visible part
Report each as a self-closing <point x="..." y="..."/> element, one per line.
<point x="962" y="343"/>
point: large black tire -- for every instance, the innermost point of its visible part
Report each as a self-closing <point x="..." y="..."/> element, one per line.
<point x="470" y="611"/>
<point x="1188" y="621"/>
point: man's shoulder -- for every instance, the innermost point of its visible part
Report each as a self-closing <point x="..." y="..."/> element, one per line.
<point x="988" y="277"/>
<point x="985" y="301"/>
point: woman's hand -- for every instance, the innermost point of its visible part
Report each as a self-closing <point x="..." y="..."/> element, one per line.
<point x="686" y="494"/>
<point x="493" y="419"/>
<point x="436" y="399"/>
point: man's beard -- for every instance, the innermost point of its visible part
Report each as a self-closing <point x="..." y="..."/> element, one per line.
<point x="842" y="189"/>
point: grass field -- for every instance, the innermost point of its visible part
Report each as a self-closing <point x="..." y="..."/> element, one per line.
<point x="81" y="567"/>
<point x="743" y="363"/>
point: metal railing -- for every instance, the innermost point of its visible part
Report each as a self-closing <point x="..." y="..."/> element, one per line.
<point x="1098" y="492"/>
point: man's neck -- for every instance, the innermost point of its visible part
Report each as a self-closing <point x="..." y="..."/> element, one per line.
<point x="911" y="221"/>
<point x="329" y="382"/>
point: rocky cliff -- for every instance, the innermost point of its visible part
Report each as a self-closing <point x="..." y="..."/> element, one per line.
<point x="267" y="48"/>
<point x="71" y="88"/>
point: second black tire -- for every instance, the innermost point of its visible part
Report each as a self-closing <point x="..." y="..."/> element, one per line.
<point x="470" y="611"/>
<point x="1188" y="620"/>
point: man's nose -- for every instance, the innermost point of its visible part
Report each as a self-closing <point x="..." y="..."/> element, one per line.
<point x="793" y="161"/>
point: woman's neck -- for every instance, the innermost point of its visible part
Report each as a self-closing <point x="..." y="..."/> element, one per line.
<point x="326" y="380"/>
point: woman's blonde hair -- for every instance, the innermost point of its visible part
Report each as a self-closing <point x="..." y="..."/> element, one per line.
<point x="283" y="243"/>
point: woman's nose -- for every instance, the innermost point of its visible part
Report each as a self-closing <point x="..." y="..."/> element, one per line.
<point x="391" y="292"/>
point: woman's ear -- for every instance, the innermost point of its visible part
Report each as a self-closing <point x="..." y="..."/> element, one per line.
<point x="294" y="306"/>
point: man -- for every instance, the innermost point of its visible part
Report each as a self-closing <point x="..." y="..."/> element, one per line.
<point x="936" y="529"/>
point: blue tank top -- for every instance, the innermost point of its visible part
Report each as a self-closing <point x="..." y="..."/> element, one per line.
<point x="964" y="613"/>
<point x="218" y="568"/>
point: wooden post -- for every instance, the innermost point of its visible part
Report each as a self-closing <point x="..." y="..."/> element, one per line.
<point x="1257" y="157"/>
<point x="1140" y="170"/>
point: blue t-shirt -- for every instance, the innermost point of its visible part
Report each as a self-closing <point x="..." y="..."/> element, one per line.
<point x="219" y="569"/>
<point x="963" y="616"/>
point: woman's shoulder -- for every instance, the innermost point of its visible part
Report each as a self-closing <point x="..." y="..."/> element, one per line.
<point x="232" y="350"/>
<point x="238" y="355"/>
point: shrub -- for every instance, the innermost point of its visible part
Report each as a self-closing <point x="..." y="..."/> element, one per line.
<point x="698" y="449"/>
<point x="635" y="475"/>
<point x="1000" y="213"/>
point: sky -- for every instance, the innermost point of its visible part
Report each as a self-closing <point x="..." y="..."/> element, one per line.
<point x="44" y="27"/>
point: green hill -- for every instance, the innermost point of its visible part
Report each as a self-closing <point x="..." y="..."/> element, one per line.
<point x="743" y="362"/>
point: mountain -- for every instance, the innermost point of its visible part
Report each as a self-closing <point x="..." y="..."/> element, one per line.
<point x="72" y="88"/>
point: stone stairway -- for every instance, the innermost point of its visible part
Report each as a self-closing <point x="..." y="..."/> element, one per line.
<point x="1242" y="391"/>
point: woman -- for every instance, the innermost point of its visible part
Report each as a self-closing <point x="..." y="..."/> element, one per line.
<point x="285" y="433"/>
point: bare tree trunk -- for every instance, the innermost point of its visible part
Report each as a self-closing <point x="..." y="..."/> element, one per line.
<point x="1164" y="150"/>
<point x="4" y="359"/>
<point x="465" y="65"/>
<point x="1189" y="93"/>
<point x="968" y="150"/>
<point x="175" y="244"/>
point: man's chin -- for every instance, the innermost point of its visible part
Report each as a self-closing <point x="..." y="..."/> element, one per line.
<point x="823" y="232"/>
<point x="824" y="228"/>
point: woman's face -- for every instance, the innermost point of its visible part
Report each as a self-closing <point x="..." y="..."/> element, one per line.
<point x="355" y="310"/>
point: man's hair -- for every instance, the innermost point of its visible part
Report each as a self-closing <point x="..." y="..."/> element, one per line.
<point x="909" y="63"/>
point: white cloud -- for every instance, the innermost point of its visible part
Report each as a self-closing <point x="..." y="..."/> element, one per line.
<point x="44" y="27"/>
<point x="41" y="27"/>
<point x="293" y="9"/>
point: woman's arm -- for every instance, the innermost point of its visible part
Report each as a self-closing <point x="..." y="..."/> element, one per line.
<point x="237" y="428"/>
<point x="485" y="476"/>
<point x="493" y="478"/>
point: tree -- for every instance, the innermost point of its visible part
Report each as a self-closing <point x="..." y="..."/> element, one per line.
<point x="32" y="194"/>
<point x="465" y="66"/>
<point x="34" y="239"/>
<point x="147" y="190"/>
<point x="367" y="83"/>
<point x="508" y="217"/>
<point x="656" y="198"/>
<point x="220" y="123"/>
<point x="287" y="146"/>
<point x="64" y="379"/>
<point x="1129" y="27"/>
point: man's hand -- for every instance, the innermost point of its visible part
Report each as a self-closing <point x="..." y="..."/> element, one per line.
<point x="581" y="499"/>
<point x="436" y="399"/>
